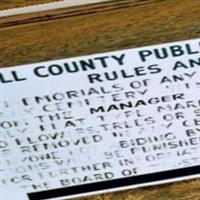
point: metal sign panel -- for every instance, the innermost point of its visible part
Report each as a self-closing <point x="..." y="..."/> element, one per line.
<point x="103" y="122"/>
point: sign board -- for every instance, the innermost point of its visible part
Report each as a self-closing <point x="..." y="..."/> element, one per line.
<point x="11" y="191"/>
<point x="103" y="122"/>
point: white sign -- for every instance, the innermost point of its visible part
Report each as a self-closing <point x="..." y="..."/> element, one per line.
<point x="102" y="122"/>
<point x="11" y="192"/>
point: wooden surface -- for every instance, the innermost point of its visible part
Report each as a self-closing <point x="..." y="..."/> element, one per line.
<point x="189" y="190"/>
<point x="105" y="29"/>
<point x="5" y="4"/>
<point x="151" y="22"/>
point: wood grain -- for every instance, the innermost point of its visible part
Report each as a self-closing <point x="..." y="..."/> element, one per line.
<point x="189" y="190"/>
<point x="152" y="22"/>
<point x="6" y="4"/>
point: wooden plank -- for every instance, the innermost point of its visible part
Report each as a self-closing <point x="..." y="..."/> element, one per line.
<point x="152" y="22"/>
<point x="47" y="7"/>
<point x="178" y="191"/>
<point x="7" y="4"/>
<point x="71" y="12"/>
